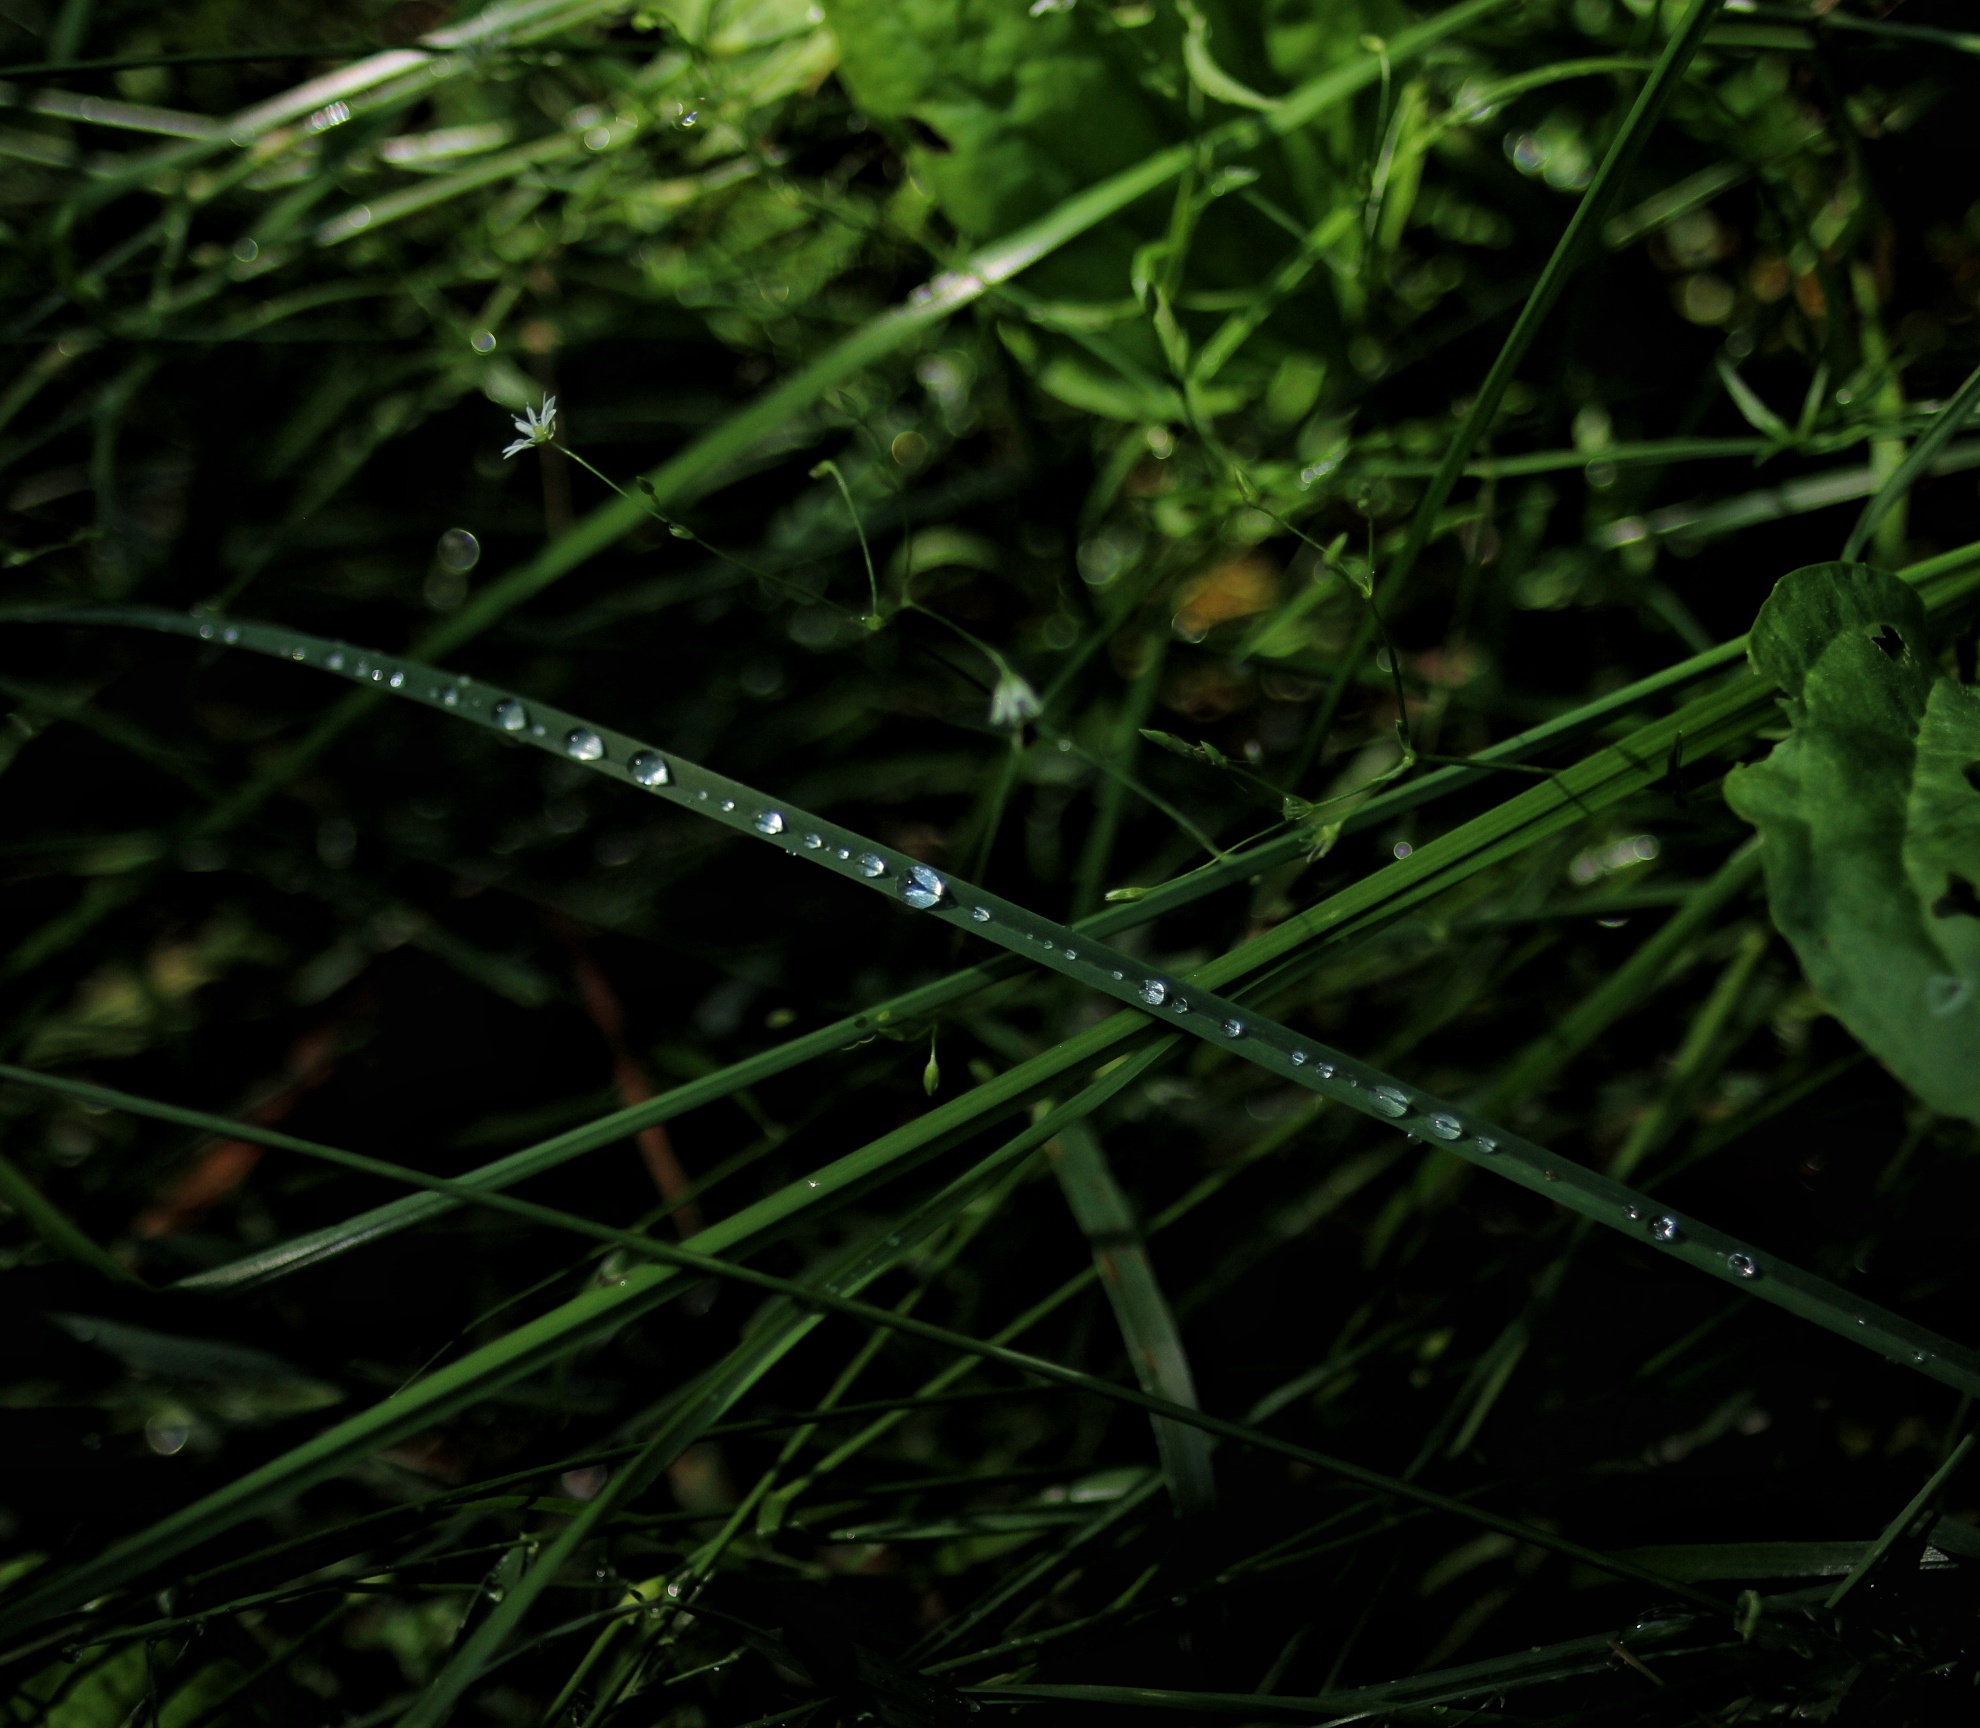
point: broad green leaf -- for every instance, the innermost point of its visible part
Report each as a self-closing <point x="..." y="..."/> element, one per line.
<point x="1870" y="816"/>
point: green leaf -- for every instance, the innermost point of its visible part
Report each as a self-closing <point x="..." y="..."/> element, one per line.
<point x="1870" y="816"/>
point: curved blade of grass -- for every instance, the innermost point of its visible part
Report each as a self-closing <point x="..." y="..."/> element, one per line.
<point x="1918" y="461"/>
<point x="1193" y="1005"/>
<point x="1148" y="1327"/>
<point x="313" y="1246"/>
<point x="1583" y="230"/>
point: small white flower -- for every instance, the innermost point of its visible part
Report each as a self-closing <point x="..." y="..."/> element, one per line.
<point x="537" y="426"/>
<point x="1014" y="702"/>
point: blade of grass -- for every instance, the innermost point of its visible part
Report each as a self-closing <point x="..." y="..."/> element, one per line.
<point x="1624" y="989"/>
<point x="1582" y="232"/>
<point x="1673" y="1634"/>
<point x="1917" y="462"/>
<point x="1901" y="1525"/>
<point x="230" y="1505"/>
<point x="1148" y="1327"/>
<point x="57" y="1228"/>
<point x="1568" y="797"/>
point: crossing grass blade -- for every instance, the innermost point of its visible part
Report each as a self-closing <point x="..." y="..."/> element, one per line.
<point x="1156" y="902"/>
<point x="494" y="1365"/>
<point x="1597" y="780"/>
<point x="1148" y="1327"/>
<point x="1918" y="462"/>
<point x="1582" y="230"/>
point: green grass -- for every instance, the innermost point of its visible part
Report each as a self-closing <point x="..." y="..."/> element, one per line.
<point x="1146" y="1259"/>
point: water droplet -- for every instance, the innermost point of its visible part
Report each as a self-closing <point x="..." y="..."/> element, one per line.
<point x="206" y="632"/>
<point x="812" y="842"/>
<point x="980" y="913"/>
<point x="728" y="804"/>
<point x="1485" y="1145"/>
<point x="844" y="853"/>
<point x="397" y="680"/>
<point x="1233" y="1028"/>
<point x="1180" y="1004"/>
<point x="1921" y="1356"/>
<point x="230" y="634"/>
<point x="1667" y="1229"/>
<point x="648" y="768"/>
<point x="1154" y="992"/>
<point x="1445" y="1127"/>
<point x="1743" y="1265"/>
<point x="362" y="669"/>
<point x="511" y="715"/>
<point x="298" y="654"/>
<point x="450" y="697"/>
<point x="1325" y="1070"/>
<point x="1299" y="1058"/>
<point x="872" y="865"/>
<point x="1072" y="953"/>
<point x="458" y="550"/>
<point x="378" y="674"/>
<point x="334" y="660"/>
<point x="582" y="744"/>
<point x="921" y="888"/>
<point x="1389" y="1100"/>
<point x="769" y="821"/>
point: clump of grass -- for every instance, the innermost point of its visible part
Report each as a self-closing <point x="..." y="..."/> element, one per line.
<point x="1127" y="1265"/>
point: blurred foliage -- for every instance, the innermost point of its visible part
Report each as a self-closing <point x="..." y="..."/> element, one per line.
<point x="939" y="550"/>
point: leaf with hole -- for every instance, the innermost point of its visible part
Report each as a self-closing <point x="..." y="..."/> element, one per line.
<point x="1870" y="816"/>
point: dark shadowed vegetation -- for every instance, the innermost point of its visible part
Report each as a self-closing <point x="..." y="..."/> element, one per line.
<point x="901" y="858"/>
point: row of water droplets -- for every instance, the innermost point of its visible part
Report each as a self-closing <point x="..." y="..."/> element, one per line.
<point x="924" y="889"/>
